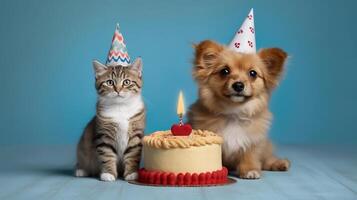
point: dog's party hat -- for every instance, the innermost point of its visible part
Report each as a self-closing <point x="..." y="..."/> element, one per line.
<point x="118" y="54"/>
<point x="244" y="39"/>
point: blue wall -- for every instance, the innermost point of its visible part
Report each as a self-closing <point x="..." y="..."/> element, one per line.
<point x="47" y="84"/>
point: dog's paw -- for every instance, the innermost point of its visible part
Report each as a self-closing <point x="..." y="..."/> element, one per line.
<point x="107" y="177"/>
<point x="252" y="174"/>
<point x="80" y="173"/>
<point x="131" y="177"/>
<point x="280" y="165"/>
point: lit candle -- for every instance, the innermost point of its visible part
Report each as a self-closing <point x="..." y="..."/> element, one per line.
<point x="180" y="107"/>
<point x="181" y="129"/>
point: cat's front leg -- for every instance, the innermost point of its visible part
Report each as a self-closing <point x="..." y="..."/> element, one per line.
<point x="107" y="158"/>
<point x="132" y="158"/>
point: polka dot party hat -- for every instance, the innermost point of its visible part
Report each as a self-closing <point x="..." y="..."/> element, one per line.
<point x="118" y="54"/>
<point x="244" y="39"/>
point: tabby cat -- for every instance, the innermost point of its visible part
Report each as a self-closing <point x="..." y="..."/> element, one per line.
<point x="111" y="142"/>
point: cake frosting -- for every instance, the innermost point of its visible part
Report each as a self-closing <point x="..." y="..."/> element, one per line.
<point x="183" y="160"/>
<point x="165" y="139"/>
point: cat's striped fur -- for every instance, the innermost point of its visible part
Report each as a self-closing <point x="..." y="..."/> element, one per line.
<point x="111" y="143"/>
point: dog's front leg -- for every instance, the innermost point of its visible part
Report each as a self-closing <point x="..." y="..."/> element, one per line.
<point x="249" y="166"/>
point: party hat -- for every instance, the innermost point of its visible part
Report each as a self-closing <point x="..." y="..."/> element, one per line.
<point x="244" y="39"/>
<point x="118" y="54"/>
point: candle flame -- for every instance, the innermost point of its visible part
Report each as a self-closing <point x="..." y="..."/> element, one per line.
<point x="180" y="105"/>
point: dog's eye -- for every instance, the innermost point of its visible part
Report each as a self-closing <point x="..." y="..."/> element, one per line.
<point x="110" y="82"/>
<point x="253" y="73"/>
<point x="225" y="71"/>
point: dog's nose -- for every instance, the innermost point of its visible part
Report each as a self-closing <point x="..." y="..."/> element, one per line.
<point x="238" y="86"/>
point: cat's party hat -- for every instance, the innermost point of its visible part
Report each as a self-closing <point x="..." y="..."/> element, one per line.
<point x="118" y="54"/>
<point x="244" y="39"/>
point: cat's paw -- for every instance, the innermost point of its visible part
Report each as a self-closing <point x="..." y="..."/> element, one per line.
<point x="80" y="173"/>
<point x="131" y="177"/>
<point x="252" y="174"/>
<point x="107" y="177"/>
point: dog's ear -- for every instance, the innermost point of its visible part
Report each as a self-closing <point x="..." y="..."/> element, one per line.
<point x="206" y="57"/>
<point x="273" y="59"/>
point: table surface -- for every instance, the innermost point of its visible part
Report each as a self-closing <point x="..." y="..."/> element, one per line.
<point x="45" y="172"/>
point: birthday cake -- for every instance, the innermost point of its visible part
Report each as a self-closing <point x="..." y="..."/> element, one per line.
<point x="192" y="160"/>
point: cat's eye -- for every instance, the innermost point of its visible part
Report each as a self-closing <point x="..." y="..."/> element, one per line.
<point x="253" y="73"/>
<point x="225" y="71"/>
<point x="110" y="82"/>
<point x="126" y="82"/>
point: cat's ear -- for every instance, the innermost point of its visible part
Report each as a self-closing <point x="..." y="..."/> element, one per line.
<point x="138" y="66"/>
<point x="99" y="68"/>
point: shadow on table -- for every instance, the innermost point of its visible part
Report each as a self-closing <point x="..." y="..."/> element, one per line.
<point x="41" y="170"/>
<point x="58" y="171"/>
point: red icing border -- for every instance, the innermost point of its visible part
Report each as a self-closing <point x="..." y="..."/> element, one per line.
<point x="217" y="177"/>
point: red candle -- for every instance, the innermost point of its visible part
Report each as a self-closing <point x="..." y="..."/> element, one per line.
<point x="181" y="129"/>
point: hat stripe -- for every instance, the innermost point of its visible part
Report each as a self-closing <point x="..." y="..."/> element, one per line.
<point x="113" y="59"/>
<point x="117" y="36"/>
<point x="118" y="53"/>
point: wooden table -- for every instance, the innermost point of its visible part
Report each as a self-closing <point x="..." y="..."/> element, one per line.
<point x="45" y="172"/>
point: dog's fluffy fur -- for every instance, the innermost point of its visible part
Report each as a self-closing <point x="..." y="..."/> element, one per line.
<point x="241" y="118"/>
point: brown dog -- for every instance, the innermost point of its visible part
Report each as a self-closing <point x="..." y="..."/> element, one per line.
<point x="234" y="92"/>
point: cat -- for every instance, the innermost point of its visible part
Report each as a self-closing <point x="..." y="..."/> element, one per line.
<point x="111" y="142"/>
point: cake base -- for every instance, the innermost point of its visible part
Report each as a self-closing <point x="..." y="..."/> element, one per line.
<point x="228" y="182"/>
<point x="158" y="178"/>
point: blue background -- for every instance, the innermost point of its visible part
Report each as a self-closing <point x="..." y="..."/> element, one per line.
<point x="47" y="81"/>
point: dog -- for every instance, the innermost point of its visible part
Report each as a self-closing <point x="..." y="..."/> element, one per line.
<point x="234" y="93"/>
